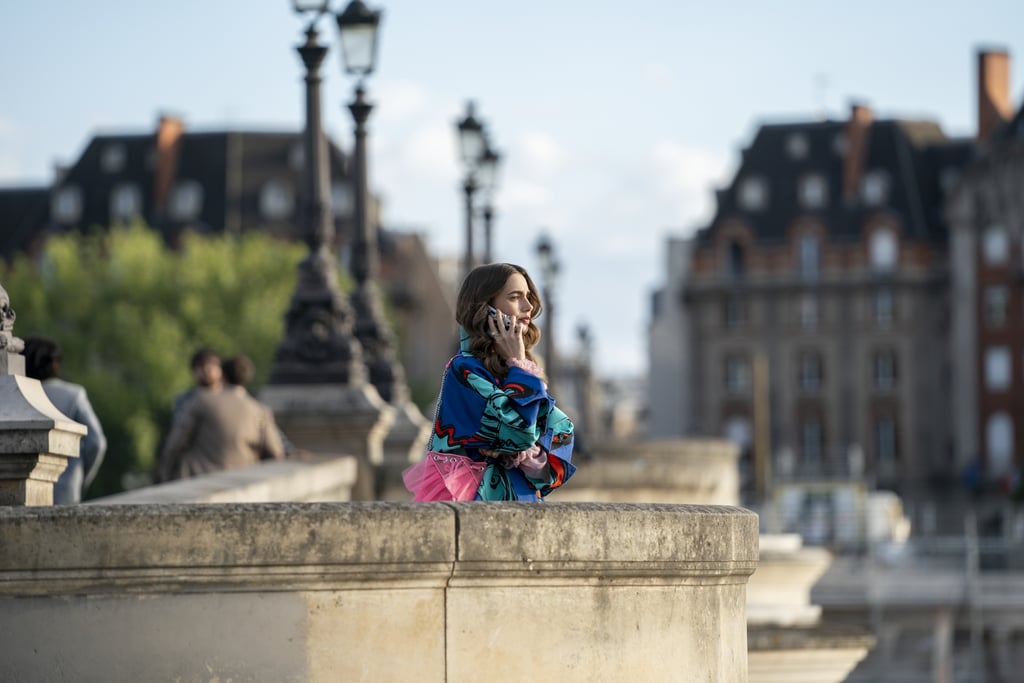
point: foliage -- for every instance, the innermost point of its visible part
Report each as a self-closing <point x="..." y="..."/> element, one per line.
<point x="128" y="313"/>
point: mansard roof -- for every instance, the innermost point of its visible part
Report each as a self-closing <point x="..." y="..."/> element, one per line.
<point x="916" y="159"/>
<point x="231" y="167"/>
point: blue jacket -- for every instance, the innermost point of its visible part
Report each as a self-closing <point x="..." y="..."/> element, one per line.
<point x="477" y="410"/>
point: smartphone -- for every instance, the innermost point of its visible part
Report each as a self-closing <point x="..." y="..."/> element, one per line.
<point x="505" y="318"/>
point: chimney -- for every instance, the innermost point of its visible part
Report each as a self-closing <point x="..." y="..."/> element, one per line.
<point x="168" y="145"/>
<point x="857" y="129"/>
<point x="994" y="108"/>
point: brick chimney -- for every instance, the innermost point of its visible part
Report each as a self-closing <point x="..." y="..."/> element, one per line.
<point x="857" y="131"/>
<point x="168" y="145"/>
<point x="994" y="108"/>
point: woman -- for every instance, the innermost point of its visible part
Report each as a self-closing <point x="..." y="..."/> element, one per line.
<point x="497" y="433"/>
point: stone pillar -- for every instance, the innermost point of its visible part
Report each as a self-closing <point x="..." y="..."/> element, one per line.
<point x="342" y="419"/>
<point x="36" y="439"/>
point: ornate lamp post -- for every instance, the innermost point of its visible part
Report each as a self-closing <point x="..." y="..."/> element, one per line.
<point x="471" y="148"/>
<point x="318" y="346"/>
<point x="549" y="267"/>
<point x="487" y="177"/>
<point x="358" y="25"/>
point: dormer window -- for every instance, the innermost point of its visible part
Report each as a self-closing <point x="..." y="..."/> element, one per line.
<point x="995" y="245"/>
<point x="125" y="202"/>
<point x="813" y="191"/>
<point x="277" y="201"/>
<point x="112" y="158"/>
<point x="883" y="250"/>
<point x="875" y="188"/>
<point x="753" y="194"/>
<point x="66" y="205"/>
<point x="186" y="200"/>
<point x="797" y="146"/>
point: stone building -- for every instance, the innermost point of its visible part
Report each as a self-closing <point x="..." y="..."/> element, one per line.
<point x="812" y="319"/>
<point x="987" y="260"/>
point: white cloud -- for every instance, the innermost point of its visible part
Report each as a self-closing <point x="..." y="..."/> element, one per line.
<point x="540" y="154"/>
<point x="659" y="75"/>
<point x="686" y="177"/>
<point x="401" y="101"/>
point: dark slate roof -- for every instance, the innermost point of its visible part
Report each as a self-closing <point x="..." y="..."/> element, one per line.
<point x="230" y="166"/>
<point x="916" y="155"/>
<point x="22" y="209"/>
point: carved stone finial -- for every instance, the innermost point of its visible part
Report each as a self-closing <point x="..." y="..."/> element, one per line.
<point x="8" y="342"/>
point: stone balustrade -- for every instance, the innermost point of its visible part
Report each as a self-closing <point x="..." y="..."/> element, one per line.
<point x="376" y="592"/>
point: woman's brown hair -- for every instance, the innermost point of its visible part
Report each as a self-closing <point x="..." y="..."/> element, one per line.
<point x="478" y="290"/>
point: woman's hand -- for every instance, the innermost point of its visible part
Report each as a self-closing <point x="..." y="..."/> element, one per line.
<point x="508" y="342"/>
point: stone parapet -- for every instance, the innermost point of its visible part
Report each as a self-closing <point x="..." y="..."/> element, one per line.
<point x="376" y="592"/>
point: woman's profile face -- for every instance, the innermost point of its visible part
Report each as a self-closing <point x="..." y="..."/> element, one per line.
<point x="513" y="299"/>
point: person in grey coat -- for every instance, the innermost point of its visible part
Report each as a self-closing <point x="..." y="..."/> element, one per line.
<point x="43" y="357"/>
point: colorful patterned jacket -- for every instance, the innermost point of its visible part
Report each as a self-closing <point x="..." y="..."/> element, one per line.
<point x="478" y="411"/>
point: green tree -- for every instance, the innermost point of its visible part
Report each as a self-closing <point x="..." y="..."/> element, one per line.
<point x="128" y="313"/>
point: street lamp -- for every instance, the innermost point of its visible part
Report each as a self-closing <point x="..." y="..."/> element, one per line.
<point x="472" y="144"/>
<point x="318" y="346"/>
<point x="357" y="27"/>
<point x="487" y="177"/>
<point x="549" y="267"/>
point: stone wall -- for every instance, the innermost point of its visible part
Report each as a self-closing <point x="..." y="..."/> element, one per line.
<point x="375" y="592"/>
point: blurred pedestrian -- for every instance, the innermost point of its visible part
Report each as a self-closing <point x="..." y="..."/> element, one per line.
<point x="238" y="373"/>
<point x="43" y="357"/>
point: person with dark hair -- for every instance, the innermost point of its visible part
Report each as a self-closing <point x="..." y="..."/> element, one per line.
<point x="219" y="427"/>
<point x="497" y="432"/>
<point x="43" y="357"/>
<point x="238" y="372"/>
<point x="207" y="373"/>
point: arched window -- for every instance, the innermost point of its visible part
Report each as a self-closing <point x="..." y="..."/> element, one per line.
<point x="809" y="257"/>
<point x="735" y="260"/>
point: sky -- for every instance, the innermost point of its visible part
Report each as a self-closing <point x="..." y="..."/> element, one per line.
<point x="616" y="121"/>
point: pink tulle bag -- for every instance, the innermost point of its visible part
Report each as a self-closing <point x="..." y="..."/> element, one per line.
<point x="444" y="476"/>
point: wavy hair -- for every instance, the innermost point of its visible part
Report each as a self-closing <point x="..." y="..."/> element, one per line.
<point x="477" y="292"/>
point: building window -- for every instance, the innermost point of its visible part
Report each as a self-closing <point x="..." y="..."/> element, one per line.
<point x="885" y="446"/>
<point x="948" y="178"/>
<point x="808" y="312"/>
<point x="875" y="188"/>
<point x="734" y="313"/>
<point x="112" y="158"/>
<point x="125" y="202"/>
<point x="811" y="444"/>
<point x="797" y="146"/>
<point x="883" y="307"/>
<point x="997" y="368"/>
<point x="996" y="306"/>
<point x="883" y="250"/>
<point x="995" y="245"/>
<point x="809" y="257"/>
<point x="297" y="157"/>
<point x="342" y="200"/>
<point x="277" y="201"/>
<point x="999" y="444"/>
<point x="735" y="260"/>
<point x="737" y="376"/>
<point x="753" y="194"/>
<point x="186" y="200"/>
<point x="813" y="191"/>
<point x="885" y="371"/>
<point x="66" y="205"/>
<point x="810" y="374"/>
